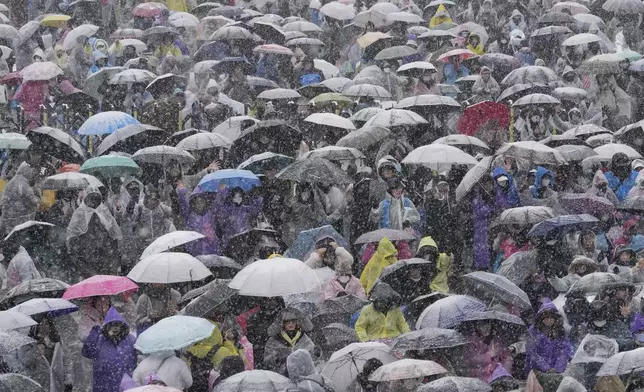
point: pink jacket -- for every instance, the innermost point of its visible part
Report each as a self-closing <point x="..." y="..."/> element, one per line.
<point x="353" y="287"/>
<point x="481" y="358"/>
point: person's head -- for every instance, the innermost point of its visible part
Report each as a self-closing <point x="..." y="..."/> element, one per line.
<point x="396" y="188"/>
<point x="624" y="257"/>
<point x="483" y="329"/>
<point x="237" y="196"/>
<point x="230" y="366"/>
<point x="535" y="116"/>
<point x="307" y="64"/>
<point x="93" y="199"/>
<point x="200" y="203"/>
<point x="599" y="313"/>
<point x="620" y="165"/>
<point x="485" y="74"/>
<point x="167" y="39"/>
<point x="415" y="275"/>
<point x="289" y="322"/>
<point x="474" y="40"/>
<point x="371" y="366"/>
<point x="133" y="190"/>
<point x="115" y="331"/>
<point x="238" y="73"/>
<point x="637" y="165"/>
<point x="587" y="239"/>
<point x="129" y="52"/>
<point x="101" y="303"/>
<point x="270" y="170"/>
<point x="152" y="199"/>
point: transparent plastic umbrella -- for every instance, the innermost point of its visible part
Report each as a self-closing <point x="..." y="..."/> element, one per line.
<point x="254" y="381"/>
<point x="448" y="312"/>
<point x="171" y="240"/>
<point x="10" y="320"/>
<point x="406" y="369"/>
<point x="455" y="384"/>
<point x="169" y="267"/>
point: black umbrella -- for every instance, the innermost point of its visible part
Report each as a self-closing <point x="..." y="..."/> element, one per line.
<point x="243" y="245"/>
<point x="222" y="267"/>
<point x="339" y="335"/>
<point x="314" y="170"/>
<point x="312" y="90"/>
<point x="176" y="137"/>
<point x="519" y="90"/>
<point x="214" y="297"/>
<point x="131" y="139"/>
<point x="429" y="339"/>
<point x="563" y="140"/>
<point x="34" y="288"/>
<point x="227" y="64"/>
<point x="391" y="234"/>
<point x="507" y="326"/>
<point x="396" y="275"/>
<point x="338" y="310"/>
<point x="57" y="144"/>
<point x="277" y="136"/>
<point x="165" y="84"/>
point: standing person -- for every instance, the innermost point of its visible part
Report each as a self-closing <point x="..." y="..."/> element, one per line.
<point x="287" y="334"/>
<point x="485" y="349"/>
<point x="302" y="212"/>
<point x="343" y="283"/>
<point x="386" y="254"/>
<point x="237" y="212"/>
<point x="600" y="188"/>
<point x="198" y="215"/>
<point x="483" y="208"/>
<point x="440" y="219"/>
<point x="548" y="348"/>
<point x="620" y="177"/>
<point x="111" y="347"/>
<point x="157" y="302"/>
<point x="382" y="319"/>
<point x="397" y="211"/>
<point x="485" y="88"/>
<point x="19" y="201"/>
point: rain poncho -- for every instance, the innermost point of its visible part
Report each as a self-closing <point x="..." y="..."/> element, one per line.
<point x="170" y="369"/>
<point x="79" y="223"/>
<point x="373" y="324"/>
<point x="299" y="365"/>
<point x="544" y="353"/>
<point x="443" y="266"/>
<point x="600" y="188"/>
<point x="507" y="197"/>
<point x="29" y="362"/>
<point x="385" y="256"/>
<point x="19" y="202"/>
<point x="621" y="188"/>
<point x="517" y="21"/>
<point x="202" y="223"/>
<point x="486" y="91"/>
<point x="232" y="219"/>
<point x="111" y="360"/>
<point x="394" y="213"/>
<point x="21" y="269"/>
<point x="441" y="16"/>
<point x="281" y="344"/>
<point x="482" y="214"/>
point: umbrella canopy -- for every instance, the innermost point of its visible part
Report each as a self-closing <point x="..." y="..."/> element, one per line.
<point x="586" y="130"/>
<point x="624" y="6"/>
<point x="40" y="71"/>
<point x="395" y="275"/>
<point x="11" y="320"/>
<point x="345" y="364"/>
<point x="394" y="118"/>
<point x="260" y="162"/>
<point x="110" y="166"/>
<point x="464" y="141"/>
<point x="550" y="30"/>
<point x="11" y="382"/>
<point x="52" y="307"/>
<point x="132" y="75"/>
<point x="279" y="93"/>
<point x="204" y="141"/>
<point x="338" y="310"/>
<point x="524" y="216"/>
<point x="439" y="157"/>
<point x="463" y="54"/>
<point x="563" y="224"/>
<point x="330" y="120"/>
<point x="302" y="26"/>
<point x="602" y="64"/>
<point x="306" y="239"/>
<point x="613" y="148"/>
<point x="131" y="139"/>
<point x="11" y="341"/>
<point x="622" y="363"/>
<point x="403" y="16"/>
<point x="314" y="170"/>
<point x="173" y="333"/>
<point x="391" y="234"/>
<point x="570" y="94"/>
<point x="233" y="127"/>
<point x="534" y="153"/>
<point x="395" y="52"/>
<point x="233" y="33"/>
<point x="14" y="141"/>
<point x="570" y="6"/>
<point x="563" y="140"/>
<point x="162" y="155"/>
<point x="518" y="90"/>
<point x="338" y="11"/>
<point x="536" y="99"/>
<point x="406" y="369"/>
<point x="100" y="285"/>
<point x="455" y="384"/>
<point x="169" y="267"/>
<point x="493" y="287"/>
<point x="149" y="9"/>
<point x="40" y="287"/>
<point x="594" y="282"/>
<point x="105" y="123"/>
<point x="633" y="204"/>
<point x="415" y="67"/>
<point x="428" y="100"/>
<point x="28" y="229"/>
<point x="429" y="339"/>
<point x="273" y="49"/>
<point x="575" y="153"/>
<point x="228" y="179"/>
<point x="254" y="381"/>
<point x="581" y="39"/>
<point x="70" y="180"/>
<point x="448" y="312"/>
<point x="334" y="153"/>
<point x="212" y="298"/>
<point x="9" y="33"/>
<point x="183" y="19"/>
<point x="584" y="203"/>
<point x="171" y="240"/>
<point x="275" y="277"/>
<point x="530" y="74"/>
<point x="519" y="266"/>
<point x="367" y="90"/>
<point x="480" y="171"/>
<point x="87" y="30"/>
<point x="364" y="137"/>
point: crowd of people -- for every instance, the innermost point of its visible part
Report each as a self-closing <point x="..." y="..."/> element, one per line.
<point x="346" y="196"/>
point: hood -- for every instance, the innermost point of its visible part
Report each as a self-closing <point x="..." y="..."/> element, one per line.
<point x="113" y="316"/>
<point x="569" y="384"/>
<point x="599" y="178"/>
<point x="427" y="241"/>
<point x="441" y="11"/>
<point x="386" y="248"/>
<point x="567" y="69"/>
<point x="619" y="249"/>
<point x="299" y="365"/>
<point x="500" y="171"/>
<point x="388" y="160"/>
<point x="26" y="171"/>
<point x="499" y="373"/>
<point x="541" y="172"/>
<point x="99" y="55"/>
<point x="92" y="189"/>
<point x="547" y="306"/>
<point x="579" y="261"/>
<point x="516" y="12"/>
<point x="303" y="321"/>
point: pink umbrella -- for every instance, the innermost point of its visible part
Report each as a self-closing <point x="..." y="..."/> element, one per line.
<point x="148" y="10"/>
<point x="99" y="285"/>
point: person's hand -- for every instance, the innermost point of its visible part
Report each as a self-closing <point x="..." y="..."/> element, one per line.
<point x="213" y="167"/>
<point x="180" y="184"/>
<point x="625" y="310"/>
<point x="320" y="251"/>
<point x="333" y="244"/>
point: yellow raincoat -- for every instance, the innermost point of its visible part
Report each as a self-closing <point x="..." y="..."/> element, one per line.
<point x="203" y="348"/>
<point x="441" y="16"/>
<point x="373" y="325"/>
<point x="177" y="5"/>
<point x="479" y="49"/>
<point x="443" y="267"/>
<point x="385" y="255"/>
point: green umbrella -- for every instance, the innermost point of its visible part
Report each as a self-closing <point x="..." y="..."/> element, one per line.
<point x="110" y="166"/>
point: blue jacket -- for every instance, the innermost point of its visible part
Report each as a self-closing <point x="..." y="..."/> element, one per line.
<point x="505" y="198"/>
<point x="541" y="172"/>
<point x="621" y="188"/>
<point x="385" y="220"/>
<point x="451" y="75"/>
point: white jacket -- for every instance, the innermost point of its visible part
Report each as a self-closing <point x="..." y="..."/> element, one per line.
<point x="173" y="371"/>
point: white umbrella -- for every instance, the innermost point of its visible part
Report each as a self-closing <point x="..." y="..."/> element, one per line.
<point x="613" y="148"/>
<point x="417" y="65"/>
<point x="233" y="127"/>
<point x="406" y="369"/>
<point x="254" y="381"/>
<point x="385" y="8"/>
<point x="162" y="155"/>
<point x="51" y="306"/>
<point x="363" y="115"/>
<point x="329" y="70"/>
<point x="337" y="10"/>
<point x="205" y="66"/>
<point x="462" y="140"/>
<point x="570" y="6"/>
<point x="70" y="180"/>
<point x="14" y="141"/>
<point x="439" y="157"/>
<point x="330" y="120"/>
<point x="403" y="16"/>
<point x="203" y="141"/>
<point x="534" y="153"/>
<point x="171" y="240"/>
<point x="581" y="39"/>
<point x="169" y="267"/>
<point x="183" y="19"/>
<point x="139" y="46"/>
<point x="86" y="30"/>
<point x="275" y="277"/>
<point x="622" y="363"/>
<point x="378" y="18"/>
<point x="336" y="84"/>
<point x="345" y="364"/>
<point x="132" y="76"/>
<point x="302" y="26"/>
<point x="10" y="320"/>
<point x="40" y="71"/>
<point x="334" y="153"/>
<point x="279" y="93"/>
<point x="367" y="90"/>
<point x="394" y="118"/>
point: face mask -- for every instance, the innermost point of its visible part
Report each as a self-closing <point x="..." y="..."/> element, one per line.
<point x="536" y="118"/>
<point x="599" y="323"/>
<point x="344" y="279"/>
<point x="638" y="141"/>
<point x="387" y="70"/>
<point x="305" y="196"/>
<point x="545" y="182"/>
<point x="237" y="199"/>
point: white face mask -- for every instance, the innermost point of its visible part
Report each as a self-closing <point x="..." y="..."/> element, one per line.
<point x="599" y="323"/>
<point x="536" y="118"/>
<point x="545" y="182"/>
<point x="305" y="196"/>
<point x="237" y="199"/>
<point x="344" y="279"/>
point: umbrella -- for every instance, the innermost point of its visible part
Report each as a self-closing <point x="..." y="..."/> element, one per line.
<point x="624" y="6"/>
<point x="484" y="118"/>
<point x="228" y="179"/>
<point x="233" y="127"/>
<point x="581" y="39"/>
<point x="40" y="71"/>
<point x="41" y="287"/>
<point x="168" y="267"/>
<point x="500" y="61"/>
<point x="367" y="90"/>
<point x="463" y="141"/>
<point x="336" y="84"/>
<point x="455" y="384"/>
<point x="339" y="335"/>
<point x="403" y="16"/>
<point x="406" y="369"/>
<point x="253" y="140"/>
<point x="53" y="307"/>
<point x="227" y="11"/>
<point x="165" y="84"/>
<point x="330" y="120"/>
<point x="334" y="153"/>
<point x="364" y="137"/>
<point x="519" y="266"/>
<point x="314" y="170"/>
<point x="106" y="122"/>
<point x="204" y="141"/>
<point x="575" y="153"/>
<point x="523" y="216"/>
<point x="395" y="52"/>
<point x="463" y="54"/>
<point x="86" y="30"/>
<point x="12" y="382"/>
<point x="13" y="141"/>
<point x="518" y="90"/>
<point x="257" y="163"/>
<point x="570" y="6"/>
<point x="570" y="93"/>
<point x="530" y="74"/>
<point x="110" y="166"/>
<point x="550" y="30"/>
<point x="173" y="333"/>
<point x="363" y="115"/>
<point x="429" y="339"/>
<point x="254" y="381"/>
<point x="328" y="70"/>
<point x="331" y="97"/>
<point x="556" y="18"/>
<point x="595" y="349"/>
<point x="586" y="130"/>
<point x="337" y="10"/>
<point x="438" y="157"/>
<point x="208" y="301"/>
<point x="132" y="75"/>
<point x="622" y="363"/>
<point x="215" y="262"/>
<point x="279" y="93"/>
<point x="126" y="33"/>
<point x="96" y="80"/>
<point x="27" y="227"/>
<point x="536" y="99"/>
<point x="183" y="19"/>
<point x="415" y="67"/>
<point x="633" y="204"/>
<point x="602" y="64"/>
<point x="613" y="148"/>
<point x="9" y="33"/>
<point x="131" y="138"/>
<point x="438" y="102"/>
<point x="449" y="312"/>
<point x="534" y="153"/>
<point x="563" y="224"/>
<point x="70" y="180"/>
<point x="594" y="282"/>
<point x="379" y="19"/>
<point x="304" y="41"/>
<point x="584" y="203"/>
<point x="171" y="240"/>
<point x="273" y="49"/>
<point x="232" y="33"/>
<point x="391" y="234"/>
<point x="338" y="310"/>
<point x="275" y="277"/>
<point x="395" y="117"/>
<point x="100" y="285"/>
<point x="480" y="171"/>
<point x="162" y="155"/>
<point x="344" y="365"/>
<point x="395" y="275"/>
<point x="148" y="10"/>
<point x="302" y="26"/>
<point x="10" y="320"/>
<point x="306" y="239"/>
<point x="493" y="287"/>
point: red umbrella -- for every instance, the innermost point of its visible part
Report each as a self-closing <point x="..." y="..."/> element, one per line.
<point x="13" y="78"/>
<point x="148" y="10"/>
<point x="69" y="168"/>
<point x="475" y="116"/>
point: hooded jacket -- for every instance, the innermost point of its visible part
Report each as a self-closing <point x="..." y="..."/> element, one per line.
<point x="373" y="324"/>
<point x="599" y="179"/>
<point x="299" y="365"/>
<point x="520" y="25"/>
<point x="385" y="255"/>
<point x="111" y="360"/>
<point x="170" y="369"/>
<point x="21" y="269"/>
<point x="543" y="353"/>
<point x="536" y="186"/>
<point x="505" y="197"/>
<point x="19" y="202"/>
<point x="278" y="348"/>
<point x="621" y="188"/>
<point x="201" y="223"/>
<point x="443" y="266"/>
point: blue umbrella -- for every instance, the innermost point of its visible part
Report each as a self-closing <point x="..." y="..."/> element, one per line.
<point x="228" y="179"/>
<point x="305" y="242"/>
<point x="105" y="123"/>
<point x="563" y="224"/>
<point x="174" y="333"/>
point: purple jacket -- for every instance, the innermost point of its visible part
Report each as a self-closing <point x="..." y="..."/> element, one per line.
<point x="482" y="213"/>
<point x="203" y="224"/>
<point x="111" y="361"/>
<point x="544" y="354"/>
<point x="232" y="219"/>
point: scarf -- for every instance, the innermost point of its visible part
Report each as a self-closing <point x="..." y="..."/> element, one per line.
<point x="291" y="341"/>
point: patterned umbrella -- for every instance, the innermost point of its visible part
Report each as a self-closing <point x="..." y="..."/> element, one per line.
<point x="583" y="203"/>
